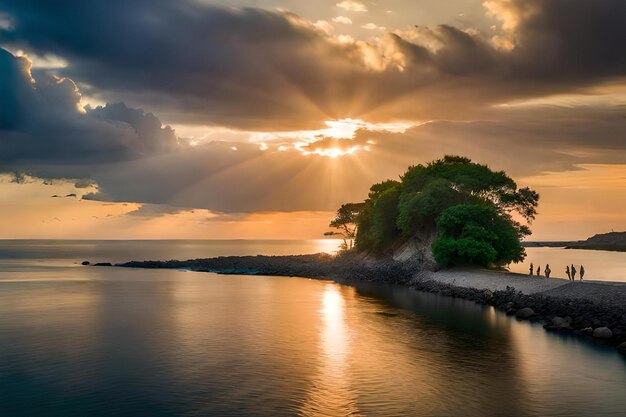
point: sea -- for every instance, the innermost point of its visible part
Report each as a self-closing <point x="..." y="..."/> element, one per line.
<point x="107" y="341"/>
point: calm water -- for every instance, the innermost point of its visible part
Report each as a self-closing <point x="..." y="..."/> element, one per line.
<point x="77" y="341"/>
<point x="599" y="265"/>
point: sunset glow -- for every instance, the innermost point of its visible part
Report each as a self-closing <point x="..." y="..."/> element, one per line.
<point x="317" y="208"/>
<point x="303" y="110"/>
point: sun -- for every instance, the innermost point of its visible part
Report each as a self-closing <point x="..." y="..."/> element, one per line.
<point x="336" y="152"/>
<point x="339" y="137"/>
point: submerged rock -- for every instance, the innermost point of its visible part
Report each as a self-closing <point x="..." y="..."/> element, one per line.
<point x="622" y="348"/>
<point x="525" y="313"/>
<point x="560" y="323"/>
<point x="602" y="333"/>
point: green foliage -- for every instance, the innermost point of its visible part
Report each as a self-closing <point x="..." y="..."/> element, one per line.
<point x="446" y="193"/>
<point x="450" y="251"/>
<point x="419" y="210"/>
<point x="477" y="234"/>
<point x="473" y="182"/>
<point x="376" y="232"/>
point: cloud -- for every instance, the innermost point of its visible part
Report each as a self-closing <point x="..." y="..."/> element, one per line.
<point x="352" y="6"/>
<point x="257" y="69"/>
<point x="343" y="20"/>
<point x="335" y="147"/>
<point x="42" y="123"/>
<point x="151" y="211"/>
<point x="123" y="154"/>
<point x="524" y="142"/>
<point x="372" y="26"/>
<point x="192" y="62"/>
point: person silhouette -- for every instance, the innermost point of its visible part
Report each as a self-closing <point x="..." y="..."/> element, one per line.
<point x="582" y="272"/>
<point x="548" y="271"/>
<point x="569" y="276"/>
<point x="573" y="269"/>
<point x="532" y="268"/>
<point x="538" y="270"/>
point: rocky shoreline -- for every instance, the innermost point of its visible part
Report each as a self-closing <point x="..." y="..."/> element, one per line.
<point x="583" y="316"/>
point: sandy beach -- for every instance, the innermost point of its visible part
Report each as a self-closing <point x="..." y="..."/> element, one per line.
<point x="601" y="292"/>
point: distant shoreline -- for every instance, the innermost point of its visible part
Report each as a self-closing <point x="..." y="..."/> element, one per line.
<point x="574" y="245"/>
<point x="612" y="241"/>
<point x="588" y="309"/>
<point x="553" y="244"/>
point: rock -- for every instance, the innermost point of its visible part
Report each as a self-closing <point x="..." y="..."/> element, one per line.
<point x="487" y="295"/>
<point x="560" y="323"/>
<point x="602" y="333"/>
<point x="525" y="313"/>
<point x="103" y="264"/>
<point x="622" y="348"/>
<point x="85" y="263"/>
<point x="587" y="330"/>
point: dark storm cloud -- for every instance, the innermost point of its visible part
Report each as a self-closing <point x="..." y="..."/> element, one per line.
<point x="567" y="39"/>
<point x="242" y="66"/>
<point x="41" y="124"/>
<point x="252" y="68"/>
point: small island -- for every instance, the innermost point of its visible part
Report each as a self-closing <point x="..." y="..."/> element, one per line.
<point x="448" y="227"/>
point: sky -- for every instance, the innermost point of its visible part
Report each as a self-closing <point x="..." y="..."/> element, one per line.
<point x="219" y="119"/>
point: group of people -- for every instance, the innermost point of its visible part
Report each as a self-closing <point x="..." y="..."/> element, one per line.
<point x="569" y="270"/>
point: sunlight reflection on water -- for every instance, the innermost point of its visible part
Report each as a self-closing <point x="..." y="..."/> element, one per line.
<point x="331" y="392"/>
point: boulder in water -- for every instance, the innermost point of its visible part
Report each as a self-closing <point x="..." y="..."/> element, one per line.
<point x="602" y="333"/>
<point x="525" y="313"/>
<point x="85" y="263"/>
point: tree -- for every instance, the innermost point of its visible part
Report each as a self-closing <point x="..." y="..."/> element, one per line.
<point x="418" y="211"/>
<point x="413" y="209"/>
<point x="478" y="234"/>
<point x="376" y="232"/>
<point x="346" y="222"/>
<point x="429" y="189"/>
